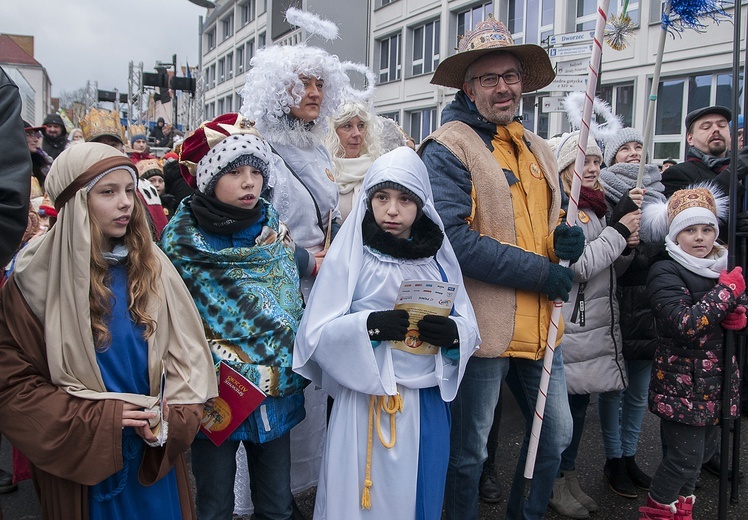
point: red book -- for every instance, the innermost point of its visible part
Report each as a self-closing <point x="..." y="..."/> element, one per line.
<point x="237" y="398"/>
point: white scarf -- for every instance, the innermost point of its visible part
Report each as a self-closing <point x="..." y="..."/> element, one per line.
<point x="709" y="267"/>
<point x="350" y="172"/>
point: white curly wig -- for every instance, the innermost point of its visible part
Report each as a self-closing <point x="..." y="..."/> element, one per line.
<point x="371" y="143"/>
<point x="273" y="85"/>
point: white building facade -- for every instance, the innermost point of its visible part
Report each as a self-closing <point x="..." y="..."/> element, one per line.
<point x="403" y="41"/>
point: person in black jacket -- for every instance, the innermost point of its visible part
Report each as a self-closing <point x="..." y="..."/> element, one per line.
<point x="15" y="172"/>
<point x="55" y="135"/>
<point x="694" y="297"/>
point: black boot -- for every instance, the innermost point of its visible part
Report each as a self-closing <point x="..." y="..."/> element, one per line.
<point x="489" y="487"/>
<point x="6" y="482"/>
<point x="636" y="475"/>
<point x="618" y="479"/>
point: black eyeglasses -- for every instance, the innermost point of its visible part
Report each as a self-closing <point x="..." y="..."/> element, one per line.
<point x="491" y="80"/>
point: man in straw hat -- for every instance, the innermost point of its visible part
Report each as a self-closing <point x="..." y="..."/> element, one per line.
<point x="496" y="188"/>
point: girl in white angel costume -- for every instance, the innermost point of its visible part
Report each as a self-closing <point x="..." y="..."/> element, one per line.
<point x="387" y="447"/>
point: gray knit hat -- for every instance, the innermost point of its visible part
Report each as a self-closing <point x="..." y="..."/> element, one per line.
<point x="613" y="144"/>
<point x="393" y="186"/>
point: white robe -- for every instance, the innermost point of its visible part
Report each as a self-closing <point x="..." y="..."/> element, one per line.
<point x="333" y="349"/>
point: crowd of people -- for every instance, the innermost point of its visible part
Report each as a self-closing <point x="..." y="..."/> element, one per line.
<point x="277" y="242"/>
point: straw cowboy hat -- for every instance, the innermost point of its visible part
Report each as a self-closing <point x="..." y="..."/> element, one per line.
<point x="491" y="36"/>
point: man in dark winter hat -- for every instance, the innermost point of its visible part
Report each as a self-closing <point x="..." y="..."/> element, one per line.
<point x="55" y="135"/>
<point x="510" y="264"/>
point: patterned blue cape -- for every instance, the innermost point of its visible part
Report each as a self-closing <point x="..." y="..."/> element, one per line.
<point x="248" y="298"/>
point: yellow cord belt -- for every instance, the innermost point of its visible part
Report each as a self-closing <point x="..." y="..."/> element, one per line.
<point x="391" y="404"/>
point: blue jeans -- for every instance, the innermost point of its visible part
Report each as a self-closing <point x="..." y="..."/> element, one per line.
<point x="269" y="465"/>
<point x="472" y="416"/>
<point x="578" y="404"/>
<point x="621" y="412"/>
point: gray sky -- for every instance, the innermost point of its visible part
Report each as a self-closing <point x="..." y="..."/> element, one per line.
<point x="82" y="40"/>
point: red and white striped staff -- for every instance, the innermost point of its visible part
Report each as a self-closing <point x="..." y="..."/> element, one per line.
<point x="571" y="217"/>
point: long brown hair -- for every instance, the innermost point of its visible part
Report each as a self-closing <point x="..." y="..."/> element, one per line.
<point x="143" y="271"/>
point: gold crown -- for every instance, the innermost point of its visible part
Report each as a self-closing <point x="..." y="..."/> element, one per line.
<point x="137" y="130"/>
<point x="146" y="165"/>
<point x="98" y="123"/>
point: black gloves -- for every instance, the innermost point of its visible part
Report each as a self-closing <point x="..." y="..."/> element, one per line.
<point x="387" y="325"/>
<point x="440" y="331"/>
<point x="568" y="242"/>
<point x="625" y="206"/>
<point x="558" y="282"/>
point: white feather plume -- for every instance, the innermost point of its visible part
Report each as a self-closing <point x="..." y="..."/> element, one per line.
<point x="311" y="23"/>
<point x="600" y="130"/>
<point x="655" y="224"/>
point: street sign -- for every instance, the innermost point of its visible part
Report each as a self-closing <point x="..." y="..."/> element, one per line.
<point x="570" y="50"/>
<point x="552" y="104"/>
<point x="567" y="68"/>
<point x="568" y="84"/>
<point x="576" y="37"/>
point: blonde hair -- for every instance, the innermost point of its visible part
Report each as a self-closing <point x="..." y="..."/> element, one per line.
<point x="371" y="143"/>
<point x="143" y="272"/>
<point x="567" y="177"/>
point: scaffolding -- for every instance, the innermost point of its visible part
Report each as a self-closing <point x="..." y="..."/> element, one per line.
<point x="135" y="94"/>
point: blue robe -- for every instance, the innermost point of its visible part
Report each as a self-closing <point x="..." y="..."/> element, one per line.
<point x="124" y="368"/>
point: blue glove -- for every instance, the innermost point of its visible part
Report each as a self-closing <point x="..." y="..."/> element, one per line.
<point x="558" y="282"/>
<point x="568" y="242"/>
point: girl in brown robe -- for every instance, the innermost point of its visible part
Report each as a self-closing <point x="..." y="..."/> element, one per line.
<point x="92" y="315"/>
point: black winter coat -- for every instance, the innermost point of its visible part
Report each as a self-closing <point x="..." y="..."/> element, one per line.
<point x="15" y="169"/>
<point x="688" y="369"/>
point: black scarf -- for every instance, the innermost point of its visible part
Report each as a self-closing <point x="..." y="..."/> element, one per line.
<point x="425" y="239"/>
<point x="222" y="219"/>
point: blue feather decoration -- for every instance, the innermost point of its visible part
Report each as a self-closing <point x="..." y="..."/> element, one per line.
<point x="687" y="14"/>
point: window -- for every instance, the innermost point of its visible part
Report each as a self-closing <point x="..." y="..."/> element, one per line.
<point x="221" y="71"/>
<point x="533" y="117"/>
<point x="616" y="6"/>
<point x="250" y="53"/>
<point x="220" y="107"/>
<point x="425" y="48"/>
<point x="264" y="6"/>
<point x="210" y="111"/>
<point x="382" y="3"/>
<point x="247" y="11"/>
<point x="238" y="101"/>
<point x="261" y="41"/>
<point x="389" y="59"/>
<point x="240" y="59"/>
<point x="211" y="39"/>
<point x="228" y="103"/>
<point x="230" y="65"/>
<point x="683" y="95"/>
<point x="395" y="116"/>
<point x="466" y="20"/>
<point x="586" y="15"/>
<point x="422" y="123"/>
<point x="621" y="100"/>
<point x="212" y="76"/>
<point x="227" y="25"/>
<point x="530" y="21"/>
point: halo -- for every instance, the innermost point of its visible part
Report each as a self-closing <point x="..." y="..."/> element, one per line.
<point x="574" y="105"/>
<point x="365" y="95"/>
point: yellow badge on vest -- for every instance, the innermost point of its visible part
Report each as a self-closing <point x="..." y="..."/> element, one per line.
<point x="536" y="171"/>
<point x="583" y="218"/>
<point x="329" y="174"/>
